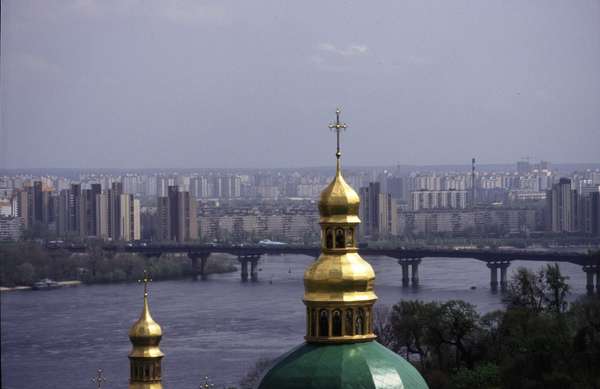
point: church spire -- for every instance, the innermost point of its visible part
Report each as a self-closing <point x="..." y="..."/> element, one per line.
<point x="145" y="357"/>
<point x="339" y="293"/>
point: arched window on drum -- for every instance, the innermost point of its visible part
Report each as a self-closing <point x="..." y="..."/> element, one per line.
<point x="340" y="239"/>
<point x="336" y="324"/>
<point x="323" y="323"/>
<point x="350" y="237"/>
<point x="360" y="322"/>
<point x="349" y="322"/>
<point x="329" y="238"/>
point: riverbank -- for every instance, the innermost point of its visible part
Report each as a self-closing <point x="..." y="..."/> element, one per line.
<point x="24" y="263"/>
<point x="60" y="284"/>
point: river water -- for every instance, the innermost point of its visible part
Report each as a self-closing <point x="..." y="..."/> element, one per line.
<point x="218" y="327"/>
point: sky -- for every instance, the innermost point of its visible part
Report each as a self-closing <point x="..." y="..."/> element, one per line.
<point x="209" y="84"/>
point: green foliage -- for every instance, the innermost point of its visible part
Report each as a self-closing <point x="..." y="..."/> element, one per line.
<point x="23" y="263"/>
<point x="544" y="291"/>
<point x="485" y="376"/>
<point x="252" y="377"/>
<point x="538" y="341"/>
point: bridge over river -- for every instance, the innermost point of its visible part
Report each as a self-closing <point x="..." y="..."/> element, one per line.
<point x="409" y="259"/>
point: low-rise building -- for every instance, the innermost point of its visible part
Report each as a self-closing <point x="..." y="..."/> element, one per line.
<point x="11" y="228"/>
<point x="504" y="220"/>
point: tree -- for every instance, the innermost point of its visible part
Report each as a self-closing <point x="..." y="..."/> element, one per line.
<point x="526" y="290"/>
<point x="545" y="290"/>
<point x="585" y="315"/>
<point x="556" y="289"/>
<point x="457" y="328"/>
<point x="26" y="273"/>
<point x="252" y="377"/>
<point x="382" y="326"/>
<point x="410" y="321"/>
<point x="485" y="376"/>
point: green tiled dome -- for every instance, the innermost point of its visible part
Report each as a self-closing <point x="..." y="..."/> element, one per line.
<point x="349" y="366"/>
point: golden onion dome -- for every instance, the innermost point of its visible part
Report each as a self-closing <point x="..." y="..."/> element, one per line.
<point x="145" y="327"/>
<point x="339" y="203"/>
<point x="145" y="335"/>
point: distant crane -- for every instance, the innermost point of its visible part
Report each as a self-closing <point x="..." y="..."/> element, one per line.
<point x="473" y="183"/>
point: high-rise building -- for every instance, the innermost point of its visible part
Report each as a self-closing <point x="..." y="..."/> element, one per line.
<point x="176" y="215"/>
<point x="162" y="222"/>
<point x="562" y="207"/>
<point x="88" y="211"/>
<point x="523" y="167"/>
<point x="114" y="210"/>
<point x="62" y="212"/>
<point x="23" y="208"/>
<point x="589" y="213"/>
<point x="369" y="210"/>
<point x="130" y="218"/>
<point x="396" y="188"/>
<point x="388" y="215"/>
<point x="74" y="211"/>
<point x="102" y="216"/>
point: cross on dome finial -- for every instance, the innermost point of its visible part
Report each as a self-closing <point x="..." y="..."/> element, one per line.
<point x="206" y="384"/>
<point x="337" y="127"/>
<point x="99" y="379"/>
<point x="147" y="278"/>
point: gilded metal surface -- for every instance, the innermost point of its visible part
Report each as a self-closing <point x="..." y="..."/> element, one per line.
<point x="338" y="287"/>
<point x="145" y="385"/>
<point x="339" y="203"/>
<point x="339" y="278"/>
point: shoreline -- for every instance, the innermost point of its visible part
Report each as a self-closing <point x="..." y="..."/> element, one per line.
<point x="61" y="284"/>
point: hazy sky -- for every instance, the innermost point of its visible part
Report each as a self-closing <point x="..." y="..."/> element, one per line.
<point x="194" y="83"/>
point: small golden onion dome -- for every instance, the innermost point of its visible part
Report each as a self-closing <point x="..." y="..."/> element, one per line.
<point x="339" y="203"/>
<point x="145" y="335"/>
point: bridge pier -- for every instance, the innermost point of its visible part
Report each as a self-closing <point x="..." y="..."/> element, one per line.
<point x="592" y="281"/>
<point x="413" y="276"/>
<point x="253" y="259"/>
<point x="415" y="271"/>
<point x="254" y="269"/>
<point x="199" y="270"/>
<point x="494" y="266"/>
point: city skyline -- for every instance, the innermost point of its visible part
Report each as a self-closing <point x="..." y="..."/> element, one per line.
<point x="180" y="83"/>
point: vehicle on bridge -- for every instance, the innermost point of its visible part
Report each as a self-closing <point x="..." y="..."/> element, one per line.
<point x="269" y="242"/>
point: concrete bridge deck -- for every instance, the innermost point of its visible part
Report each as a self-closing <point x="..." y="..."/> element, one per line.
<point x="407" y="257"/>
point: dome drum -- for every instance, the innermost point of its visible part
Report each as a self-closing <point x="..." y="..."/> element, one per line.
<point x="336" y="238"/>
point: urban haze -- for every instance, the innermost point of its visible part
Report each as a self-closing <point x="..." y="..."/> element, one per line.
<point x="107" y="84"/>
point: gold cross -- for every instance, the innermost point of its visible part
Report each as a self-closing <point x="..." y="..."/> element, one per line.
<point x="147" y="278"/>
<point x="337" y="127"/>
<point x="99" y="379"/>
<point x="206" y="384"/>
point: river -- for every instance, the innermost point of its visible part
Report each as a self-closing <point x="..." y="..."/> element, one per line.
<point x="218" y="327"/>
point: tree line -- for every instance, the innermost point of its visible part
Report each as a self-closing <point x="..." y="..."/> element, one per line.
<point x="539" y="341"/>
<point x="24" y="263"/>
